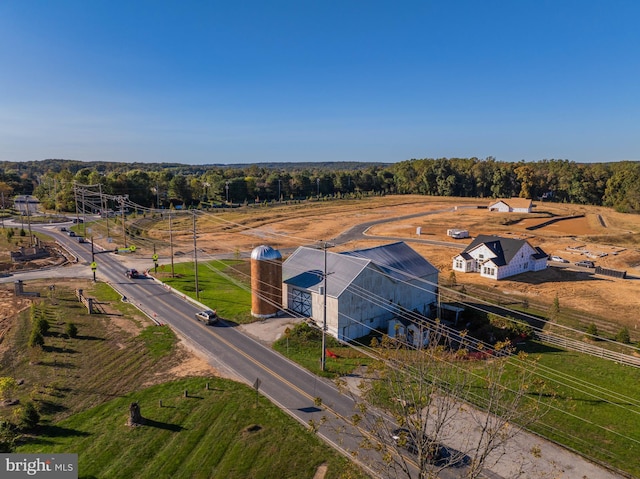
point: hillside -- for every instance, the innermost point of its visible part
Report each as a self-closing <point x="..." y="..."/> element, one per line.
<point x="83" y="386"/>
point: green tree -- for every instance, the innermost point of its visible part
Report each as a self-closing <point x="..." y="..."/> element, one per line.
<point x="36" y="339"/>
<point x="71" y="330"/>
<point x="29" y="417"/>
<point x="623" y="336"/>
<point x="7" y="437"/>
<point x="7" y="386"/>
<point x="592" y="330"/>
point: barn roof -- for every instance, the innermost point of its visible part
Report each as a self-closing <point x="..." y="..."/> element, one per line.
<point x="305" y="267"/>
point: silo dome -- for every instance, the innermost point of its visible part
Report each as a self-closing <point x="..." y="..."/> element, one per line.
<point x="266" y="281"/>
<point x="263" y="253"/>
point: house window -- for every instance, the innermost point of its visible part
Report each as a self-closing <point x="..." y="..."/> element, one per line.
<point x="480" y="256"/>
<point x="525" y="266"/>
<point x="459" y="264"/>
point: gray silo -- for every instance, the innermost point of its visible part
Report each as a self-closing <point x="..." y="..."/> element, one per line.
<point x="266" y="282"/>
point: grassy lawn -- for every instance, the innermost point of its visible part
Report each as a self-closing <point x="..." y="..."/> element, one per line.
<point x="220" y="432"/>
<point x="224" y="286"/>
<point x="83" y="387"/>
<point x="303" y="345"/>
<point x="600" y="420"/>
<point x="596" y="423"/>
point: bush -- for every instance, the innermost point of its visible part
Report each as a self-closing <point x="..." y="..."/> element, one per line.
<point x="592" y="330"/>
<point x="29" y="417"/>
<point x="41" y="325"/>
<point x="7" y="437"/>
<point x="623" y="336"/>
<point x="71" y="330"/>
<point x="36" y="339"/>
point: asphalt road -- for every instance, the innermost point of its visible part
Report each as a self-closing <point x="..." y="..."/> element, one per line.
<point x="286" y="384"/>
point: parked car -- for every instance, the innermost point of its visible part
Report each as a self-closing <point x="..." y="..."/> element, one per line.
<point x="207" y="316"/>
<point x="132" y="273"/>
<point x="434" y="452"/>
<point x="586" y="264"/>
<point x="63" y="229"/>
<point x="72" y="234"/>
<point x="82" y="239"/>
<point x="558" y="259"/>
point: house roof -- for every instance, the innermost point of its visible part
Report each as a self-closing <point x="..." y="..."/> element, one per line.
<point x="514" y="202"/>
<point x="305" y="267"/>
<point x="504" y="248"/>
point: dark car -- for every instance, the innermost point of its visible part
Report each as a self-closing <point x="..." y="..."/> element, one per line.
<point x="63" y="229"/>
<point x="434" y="452"/>
<point x="132" y="273"/>
<point x="207" y="316"/>
<point x="586" y="264"/>
<point x="72" y="234"/>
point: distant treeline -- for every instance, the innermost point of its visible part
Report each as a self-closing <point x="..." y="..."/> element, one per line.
<point x="162" y="184"/>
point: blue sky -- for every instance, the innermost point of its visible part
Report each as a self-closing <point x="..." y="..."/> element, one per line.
<point x="254" y="81"/>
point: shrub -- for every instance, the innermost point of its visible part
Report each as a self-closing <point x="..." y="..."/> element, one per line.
<point x="71" y="330"/>
<point x="7" y="386"/>
<point x="7" y="437"/>
<point x="29" y="417"/>
<point x="41" y="325"/>
<point x="592" y="330"/>
<point x="623" y="336"/>
<point x="36" y="339"/>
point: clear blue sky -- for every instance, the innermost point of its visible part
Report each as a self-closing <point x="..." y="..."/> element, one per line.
<point x="329" y="80"/>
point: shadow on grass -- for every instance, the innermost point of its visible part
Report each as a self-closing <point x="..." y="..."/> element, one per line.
<point x="47" y="434"/>
<point x="49" y="407"/>
<point x="162" y="425"/>
<point x="59" y="364"/>
<point x="89" y="338"/>
<point x="56" y="349"/>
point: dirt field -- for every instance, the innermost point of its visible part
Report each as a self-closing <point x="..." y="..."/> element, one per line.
<point x="613" y="238"/>
<point x="609" y="238"/>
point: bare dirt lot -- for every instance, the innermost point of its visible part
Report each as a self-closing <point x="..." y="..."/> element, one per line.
<point x="610" y="239"/>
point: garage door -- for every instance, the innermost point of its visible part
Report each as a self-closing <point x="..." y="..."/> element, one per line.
<point x="300" y="302"/>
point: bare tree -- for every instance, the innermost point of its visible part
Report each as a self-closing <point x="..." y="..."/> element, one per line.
<point x="450" y="404"/>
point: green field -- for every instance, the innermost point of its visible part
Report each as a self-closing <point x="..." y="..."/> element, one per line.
<point x="225" y="431"/>
<point x="83" y="387"/>
<point x="592" y="403"/>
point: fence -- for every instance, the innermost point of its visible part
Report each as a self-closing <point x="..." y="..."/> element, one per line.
<point x="587" y="348"/>
<point x="88" y="302"/>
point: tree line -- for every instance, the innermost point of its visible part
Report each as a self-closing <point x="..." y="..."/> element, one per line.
<point x="162" y="184"/>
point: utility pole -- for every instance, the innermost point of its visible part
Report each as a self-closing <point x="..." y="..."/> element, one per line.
<point x="324" y="310"/>
<point x="124" y="229"/>
<point x="171" y="243"/>
<point x="195" y="255"/>
<point x="93" y="261"/>
<point x="75" y="197"/>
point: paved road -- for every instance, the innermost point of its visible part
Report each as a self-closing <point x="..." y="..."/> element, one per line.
<point x="285" y="383"/>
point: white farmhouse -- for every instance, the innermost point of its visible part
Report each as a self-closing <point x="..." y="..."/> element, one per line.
<point x="512" y="205"/>
<point x="364" y="288"/>
<point x="497" y="258"/>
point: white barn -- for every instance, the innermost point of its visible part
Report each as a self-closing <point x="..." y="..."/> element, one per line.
<point x="495" y="257"/>
<point x="364" y="288"/>
<point x="512" y="205"/>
